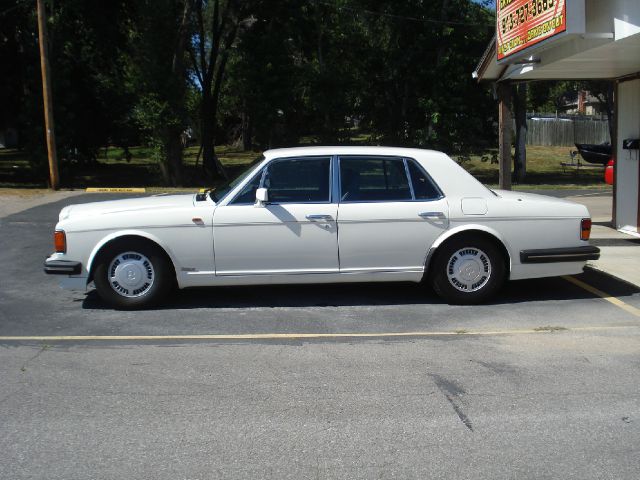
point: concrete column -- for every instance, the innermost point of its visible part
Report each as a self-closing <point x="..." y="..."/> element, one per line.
<point x="627" y="169"/>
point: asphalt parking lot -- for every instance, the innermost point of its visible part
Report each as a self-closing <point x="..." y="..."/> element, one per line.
<point x="348" y="381"/>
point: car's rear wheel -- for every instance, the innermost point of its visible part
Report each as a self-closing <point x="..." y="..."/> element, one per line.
<point x="468" y="270"/>
<point x="132" y="275"/>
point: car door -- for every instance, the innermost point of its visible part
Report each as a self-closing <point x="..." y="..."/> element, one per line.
<point x="390" y="213"/>
<point x="294" y="232"/>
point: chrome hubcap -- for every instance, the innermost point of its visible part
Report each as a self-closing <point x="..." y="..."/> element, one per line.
<point x="469" y="269"/>
<point x="131" y="274"/>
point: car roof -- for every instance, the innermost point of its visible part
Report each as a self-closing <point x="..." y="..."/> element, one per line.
<point x="452" y="179"/>
<point x="348" y="150"/>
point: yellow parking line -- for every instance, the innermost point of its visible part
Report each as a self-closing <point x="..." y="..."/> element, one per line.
<point x="115" y="190"/>
<point x="604" y="295"/>
<point x="294" y="336"/>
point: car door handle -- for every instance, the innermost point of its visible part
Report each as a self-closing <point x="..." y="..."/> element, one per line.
<point x="432" y="215"/>
<point x="319" y="217"/>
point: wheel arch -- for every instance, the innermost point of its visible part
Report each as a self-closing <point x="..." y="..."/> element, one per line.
<point x="108" y="241"/>
<point x="469" y="230"/>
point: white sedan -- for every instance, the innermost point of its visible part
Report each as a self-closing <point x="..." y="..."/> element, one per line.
<point x="323" y="215"/>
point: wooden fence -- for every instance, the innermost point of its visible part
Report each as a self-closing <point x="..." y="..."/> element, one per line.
<point x="564" y="132"/>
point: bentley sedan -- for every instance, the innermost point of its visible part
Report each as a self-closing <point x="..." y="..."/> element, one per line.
<point x="323" y="215"/>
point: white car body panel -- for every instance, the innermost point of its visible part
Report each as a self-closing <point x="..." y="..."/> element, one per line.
<point x="276" y="239"/>
<point x="222" y="244"/>
<point x="396" y="228"/>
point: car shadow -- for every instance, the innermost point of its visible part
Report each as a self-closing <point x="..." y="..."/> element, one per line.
<point x="374" y="294"/>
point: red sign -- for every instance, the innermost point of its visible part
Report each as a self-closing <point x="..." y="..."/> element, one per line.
<point x="522" y="23"/>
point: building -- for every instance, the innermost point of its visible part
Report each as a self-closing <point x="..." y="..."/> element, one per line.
<point x="574" y="40"/>
<point x="582" y="103"/>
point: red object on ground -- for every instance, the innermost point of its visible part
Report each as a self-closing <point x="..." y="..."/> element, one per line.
<point x="608" y="172"/>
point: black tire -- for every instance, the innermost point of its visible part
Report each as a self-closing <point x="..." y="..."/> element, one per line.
<point x="467" y="270"/>
<point x="149" y="274"/>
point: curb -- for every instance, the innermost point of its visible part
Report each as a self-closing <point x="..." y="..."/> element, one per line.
<point x="599" y="269"/>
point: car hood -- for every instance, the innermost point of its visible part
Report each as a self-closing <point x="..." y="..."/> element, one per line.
<point x="127" y="205"/>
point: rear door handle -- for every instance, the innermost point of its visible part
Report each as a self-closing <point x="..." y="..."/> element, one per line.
<point x="432" y="215"/>
<point x="319" y="217"/>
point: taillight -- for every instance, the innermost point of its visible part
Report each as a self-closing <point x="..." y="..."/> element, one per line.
<point x="585" y="229"/>
<point x="60" y="241"/>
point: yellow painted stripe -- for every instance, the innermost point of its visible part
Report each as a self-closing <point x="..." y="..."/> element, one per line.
<point x="604" y="295"/>
<point x="115" y="190"/>
<point x="293" y="336"/>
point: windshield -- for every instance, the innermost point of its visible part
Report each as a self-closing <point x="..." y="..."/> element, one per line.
<point x="221" y="191"/>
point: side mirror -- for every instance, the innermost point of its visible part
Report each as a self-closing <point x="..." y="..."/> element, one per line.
<point x="262" y="197"/>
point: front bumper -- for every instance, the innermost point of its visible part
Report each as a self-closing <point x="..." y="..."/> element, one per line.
<point x="554" y="255"/>
<point x="62" y="267"/>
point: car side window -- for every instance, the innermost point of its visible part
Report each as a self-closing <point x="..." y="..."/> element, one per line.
<point x="248" y="193"/>
<point x="373" y="179"/>
<point x="298" y="180"/>
<point x="423" y="186"/>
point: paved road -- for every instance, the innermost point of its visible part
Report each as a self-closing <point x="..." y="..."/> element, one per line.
<point x="558" y="402"/>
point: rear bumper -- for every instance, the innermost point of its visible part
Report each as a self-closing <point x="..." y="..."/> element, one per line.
<point x="554" y="255"/>
<point x="62" y="267"/>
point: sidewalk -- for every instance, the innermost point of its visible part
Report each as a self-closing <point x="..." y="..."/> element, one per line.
<point x="619" y="252"/>
<point x="17" y="200"/>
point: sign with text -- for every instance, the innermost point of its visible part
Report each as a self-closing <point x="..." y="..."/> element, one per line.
<point x="523" y="23"/>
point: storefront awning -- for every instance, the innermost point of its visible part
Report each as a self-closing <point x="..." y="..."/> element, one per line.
<point x="597" y="55"/>
<point x="609" y="48"/>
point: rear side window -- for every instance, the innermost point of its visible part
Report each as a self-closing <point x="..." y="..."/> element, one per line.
<point x="423" y="186"/>
<point x="373" y="179"/>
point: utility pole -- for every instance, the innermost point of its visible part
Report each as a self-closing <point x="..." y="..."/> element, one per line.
<point x="47" y="97"/>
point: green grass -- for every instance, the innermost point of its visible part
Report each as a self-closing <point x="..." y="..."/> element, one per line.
<point x="543" y="170"/>
<point x="113" y="170"/>
<point x="16" y="171"/>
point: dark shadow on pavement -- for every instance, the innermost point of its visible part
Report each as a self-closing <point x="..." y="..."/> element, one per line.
<point x="373" y="294"/>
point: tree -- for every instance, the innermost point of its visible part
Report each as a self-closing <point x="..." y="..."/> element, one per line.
<point x="268" y="73"/>
<point x="603" y="91"/>
<point x="419" y="91"/>
<point x="91" y="104"/>
<point x="157" y="71"/>
<point x="217" y="26"/>
<point x="553" y="95"/>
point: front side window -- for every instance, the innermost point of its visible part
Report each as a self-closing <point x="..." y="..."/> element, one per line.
<point x="248" y="193"/>
<point x="373" y="179"/>
<point x="221" y="191"/>
<point x="298" y="180"/>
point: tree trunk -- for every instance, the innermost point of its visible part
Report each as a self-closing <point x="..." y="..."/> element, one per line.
<point x="207" y="127"/>
<point x="503" y="90"/>
<point x="247" y="128"/>
<point x="174" y="158"/>
<point x="520" y="113"/>
<point x="609" y="107"/>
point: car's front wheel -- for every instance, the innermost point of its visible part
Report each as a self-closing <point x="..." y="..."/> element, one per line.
<point x="132" y="275"/>
<point x="467" y="270"/>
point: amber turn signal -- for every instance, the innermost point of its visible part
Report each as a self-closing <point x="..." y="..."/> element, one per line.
<point x="585" y="229"/>
<point x="60" y="241"/>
